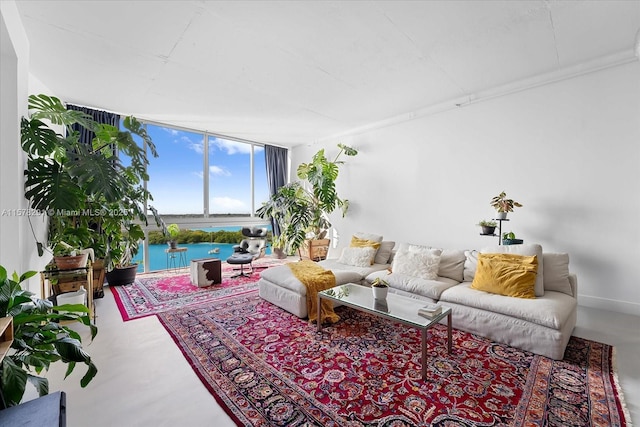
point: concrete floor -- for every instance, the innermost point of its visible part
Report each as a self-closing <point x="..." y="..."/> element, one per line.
<point x="144" y="380"/>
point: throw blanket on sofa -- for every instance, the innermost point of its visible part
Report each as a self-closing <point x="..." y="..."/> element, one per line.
<point x="316" y="279"/>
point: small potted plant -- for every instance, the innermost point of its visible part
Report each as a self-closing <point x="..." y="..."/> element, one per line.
<point x="66" y="257"/>
<point x="488" y="227"/>
<point x="173" y="230"/>
<point x="503" y="205"/>
<point x="380" y="288"/>
<point x="510" y="239"/>
<point x="278" y="244"/>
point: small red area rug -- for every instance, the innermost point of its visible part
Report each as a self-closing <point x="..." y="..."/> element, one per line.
<point x="267" y="367"/>
<point x="160" y="291"/>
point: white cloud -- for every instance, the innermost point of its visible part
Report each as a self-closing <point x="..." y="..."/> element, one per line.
<point x="227" y="204"/>
<point x="219" y="171"/>
<point x="172" y="132"/>
<point x="231" y="147"/>
<point x="198" y="174"/>
<point x="198" y="147"/>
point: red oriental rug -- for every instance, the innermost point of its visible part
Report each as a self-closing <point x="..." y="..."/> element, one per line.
<point x="160" y="291"/>
<point x="268" y="367"/>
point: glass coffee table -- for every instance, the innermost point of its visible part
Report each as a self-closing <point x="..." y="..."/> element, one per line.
<point x="395" y="307"/>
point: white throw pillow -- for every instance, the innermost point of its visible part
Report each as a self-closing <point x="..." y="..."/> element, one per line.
<point x="527" y="250"/>
<point x="384" y="252"/>
<point x="422" y="264"/>
<point x="409" y="247"/>
<point x="357" y="257"/>
<point x="556" y="273"/>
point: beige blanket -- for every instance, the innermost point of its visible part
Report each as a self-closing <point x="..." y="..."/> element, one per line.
<point x="316" y="279"/>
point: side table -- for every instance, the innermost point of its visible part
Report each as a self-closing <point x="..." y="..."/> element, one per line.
<point x="56" y="282"/>
<point x="206" y="272"/>
<point x="176" y="258"/>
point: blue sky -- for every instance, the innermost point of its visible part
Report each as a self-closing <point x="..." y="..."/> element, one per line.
<point x="176" y="175"/>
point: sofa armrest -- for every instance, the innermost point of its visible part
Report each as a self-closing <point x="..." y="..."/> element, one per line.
<point x="573" y="280"/>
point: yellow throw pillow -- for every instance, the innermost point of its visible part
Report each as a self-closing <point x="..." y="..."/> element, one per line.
<point x="357" y="242"/>
<point x="506" y="274"/>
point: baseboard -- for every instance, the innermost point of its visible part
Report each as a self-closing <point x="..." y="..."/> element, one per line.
<point x="609" y="304"/>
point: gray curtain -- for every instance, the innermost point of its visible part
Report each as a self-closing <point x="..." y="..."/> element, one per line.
<point x="276" y="162"/>
<point x="86" y="136"/>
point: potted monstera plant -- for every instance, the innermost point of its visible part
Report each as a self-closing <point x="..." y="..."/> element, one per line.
<point x="84" y="188"/>
<point x="303" y="213"/>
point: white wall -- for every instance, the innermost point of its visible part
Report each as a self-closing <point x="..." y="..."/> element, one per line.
<point x="17" y="244"/>
<point x="569" y="151"/>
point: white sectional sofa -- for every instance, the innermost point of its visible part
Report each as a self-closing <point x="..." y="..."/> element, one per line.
<point x="542" y="325"/>
<point x="280" y="287"/>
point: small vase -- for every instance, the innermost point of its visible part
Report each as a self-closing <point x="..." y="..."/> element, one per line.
<point x="380" y="292"/>
<point x="501" y="215"/>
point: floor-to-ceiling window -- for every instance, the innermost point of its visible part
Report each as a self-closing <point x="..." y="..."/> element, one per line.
<point x="175" y="176"/>
<point x="204" y="182"/>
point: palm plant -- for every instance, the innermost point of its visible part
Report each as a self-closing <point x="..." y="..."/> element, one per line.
<point x="39" y="339"/>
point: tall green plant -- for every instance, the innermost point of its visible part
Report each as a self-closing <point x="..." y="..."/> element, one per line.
<point x="302" y="212"/>
<point x="323" y="198"/>
<point x="290" y="208"/>
<point x="92" y="199"/>
<point x="39" y="339"/>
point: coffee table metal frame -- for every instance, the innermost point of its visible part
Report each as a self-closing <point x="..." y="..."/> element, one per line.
<point x="397" y="308"/>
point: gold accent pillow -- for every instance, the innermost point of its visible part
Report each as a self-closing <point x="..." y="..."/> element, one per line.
<point x="506" y="274"/>
<point x="357" y="242"/>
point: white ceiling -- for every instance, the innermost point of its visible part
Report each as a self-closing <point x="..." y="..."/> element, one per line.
<point x="294" y="72"/>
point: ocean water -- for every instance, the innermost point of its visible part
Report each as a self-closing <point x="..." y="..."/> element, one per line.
<point x="158" y="257"/>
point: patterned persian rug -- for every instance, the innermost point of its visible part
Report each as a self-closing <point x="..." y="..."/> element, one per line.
<point x="267" y="367"/>
<point x="156" y="292"/>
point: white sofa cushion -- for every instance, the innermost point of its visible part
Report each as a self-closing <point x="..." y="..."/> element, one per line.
<point x="470" y="265"/>
<point x="358" y="257"/>
<point x="414" y="285"/>
<point x="556" y="273"/>
<point x="528" y="250"/>
<point x="404" y="247"/>
<point x="452" y="264"/>
<point x="550" y="310"/>
<point x="417" y="263"/>
<point x="384" y="252"/>
<point x="284" y="277"/>
<point x="337" y="267"/>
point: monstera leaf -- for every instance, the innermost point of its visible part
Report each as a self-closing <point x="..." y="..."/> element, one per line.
<point x="36" y="137"/>
<point x="49" y="186"/>
<point x="52" y="109"/>
<point x="97" y="176"/>
<point x="86" y="181"/>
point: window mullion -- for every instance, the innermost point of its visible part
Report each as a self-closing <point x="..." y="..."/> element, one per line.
<point x="205" y="175"/>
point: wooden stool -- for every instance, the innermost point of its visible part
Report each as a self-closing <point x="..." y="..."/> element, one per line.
<point x="206" y="272"/>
